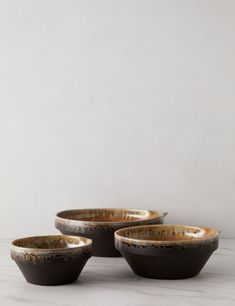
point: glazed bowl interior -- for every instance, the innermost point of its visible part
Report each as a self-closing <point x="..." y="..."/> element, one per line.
<point x="51" y="242"/>
<point x="107" y="215"/>
<point x="166" y="233"/>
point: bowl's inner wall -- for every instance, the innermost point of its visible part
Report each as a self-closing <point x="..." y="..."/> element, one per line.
<point x="105" y="215"/>
<point x="48" y="242"/>
<point x="166" y="233"/>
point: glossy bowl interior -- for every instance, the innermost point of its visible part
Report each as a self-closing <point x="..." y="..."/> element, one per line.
<point x="108" y="215"/>
<point x="52" y="243"/>
<point x="166" y="251"/>
<point x="165" y="234"/>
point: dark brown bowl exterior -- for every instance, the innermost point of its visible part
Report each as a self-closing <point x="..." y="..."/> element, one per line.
<point x="166" y="259"/>
<point x="50" y="267"/>
<point x="100" y="225"/>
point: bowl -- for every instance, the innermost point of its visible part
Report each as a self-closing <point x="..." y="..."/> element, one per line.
<point x="51" y="260"/>
<point x="101" y="223"/>
<point x="166" y="251"/>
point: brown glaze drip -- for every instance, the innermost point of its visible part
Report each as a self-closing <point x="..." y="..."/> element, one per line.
<point x="42" y="249"/>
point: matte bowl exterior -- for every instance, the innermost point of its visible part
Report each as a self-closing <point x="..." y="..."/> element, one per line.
<point x="166" y="259"/>
<point x="100" y="225"/>
<point x="49" y="267"/>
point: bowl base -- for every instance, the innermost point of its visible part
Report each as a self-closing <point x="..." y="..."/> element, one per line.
<point x="51" y="274"/>
<point x="178" y="266"/>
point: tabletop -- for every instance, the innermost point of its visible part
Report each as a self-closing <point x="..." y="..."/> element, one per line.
<point x="110" y="281"/>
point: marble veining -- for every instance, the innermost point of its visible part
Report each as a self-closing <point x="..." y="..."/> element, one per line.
<point x="109" y="281"/>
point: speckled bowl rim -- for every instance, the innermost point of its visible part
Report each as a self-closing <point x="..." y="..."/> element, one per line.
<point x="157" y="215"/>
<point x="87" y="243"/>
<point x="119" y="238"/>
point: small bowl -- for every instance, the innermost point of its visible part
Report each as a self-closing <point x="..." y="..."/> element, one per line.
<point x="100" y="225"/>
<point x="166" y="251"/>
<point x="51" y="260"/>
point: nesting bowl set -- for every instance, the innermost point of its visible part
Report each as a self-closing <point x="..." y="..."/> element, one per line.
<point x="152" y="249"/>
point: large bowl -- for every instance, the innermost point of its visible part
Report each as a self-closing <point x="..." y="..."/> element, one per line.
<point x="166" y="251"/>
<point x="51" y="260"/>
<point x="100" y="225"/>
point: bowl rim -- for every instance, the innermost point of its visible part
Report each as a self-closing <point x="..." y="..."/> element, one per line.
<point x="120" y="238"/>
<point x="156" y="215"/>
<point x="14" y="247"/>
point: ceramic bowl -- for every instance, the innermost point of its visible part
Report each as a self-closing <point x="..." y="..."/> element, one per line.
<point x="51" y="260"/>
<point x="100" y="225"/>
<point x="166" y="251"/>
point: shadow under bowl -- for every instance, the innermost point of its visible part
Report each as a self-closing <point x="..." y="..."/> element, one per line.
<point x="101" y="223"/>
<point x="51" y="260"/>
<point x="166" y="251"/>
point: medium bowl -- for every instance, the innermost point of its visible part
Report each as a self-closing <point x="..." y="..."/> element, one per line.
<point x="166" y="251"/>
<point x="100" y="225"/>
<point x="51" y="260"/>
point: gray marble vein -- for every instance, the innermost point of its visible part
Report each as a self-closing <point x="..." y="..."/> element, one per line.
<point x="110" y="282"/>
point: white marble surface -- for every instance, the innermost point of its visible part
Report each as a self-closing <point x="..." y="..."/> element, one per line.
<point x="110" y="282"/>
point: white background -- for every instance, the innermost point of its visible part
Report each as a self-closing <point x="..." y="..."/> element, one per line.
<point x="117" y="104"/>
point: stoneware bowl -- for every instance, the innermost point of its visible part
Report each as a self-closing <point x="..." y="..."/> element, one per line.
<point x="166" y="251"/>
<point x="100" y="225"/>
<point x="51" y="260"/>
